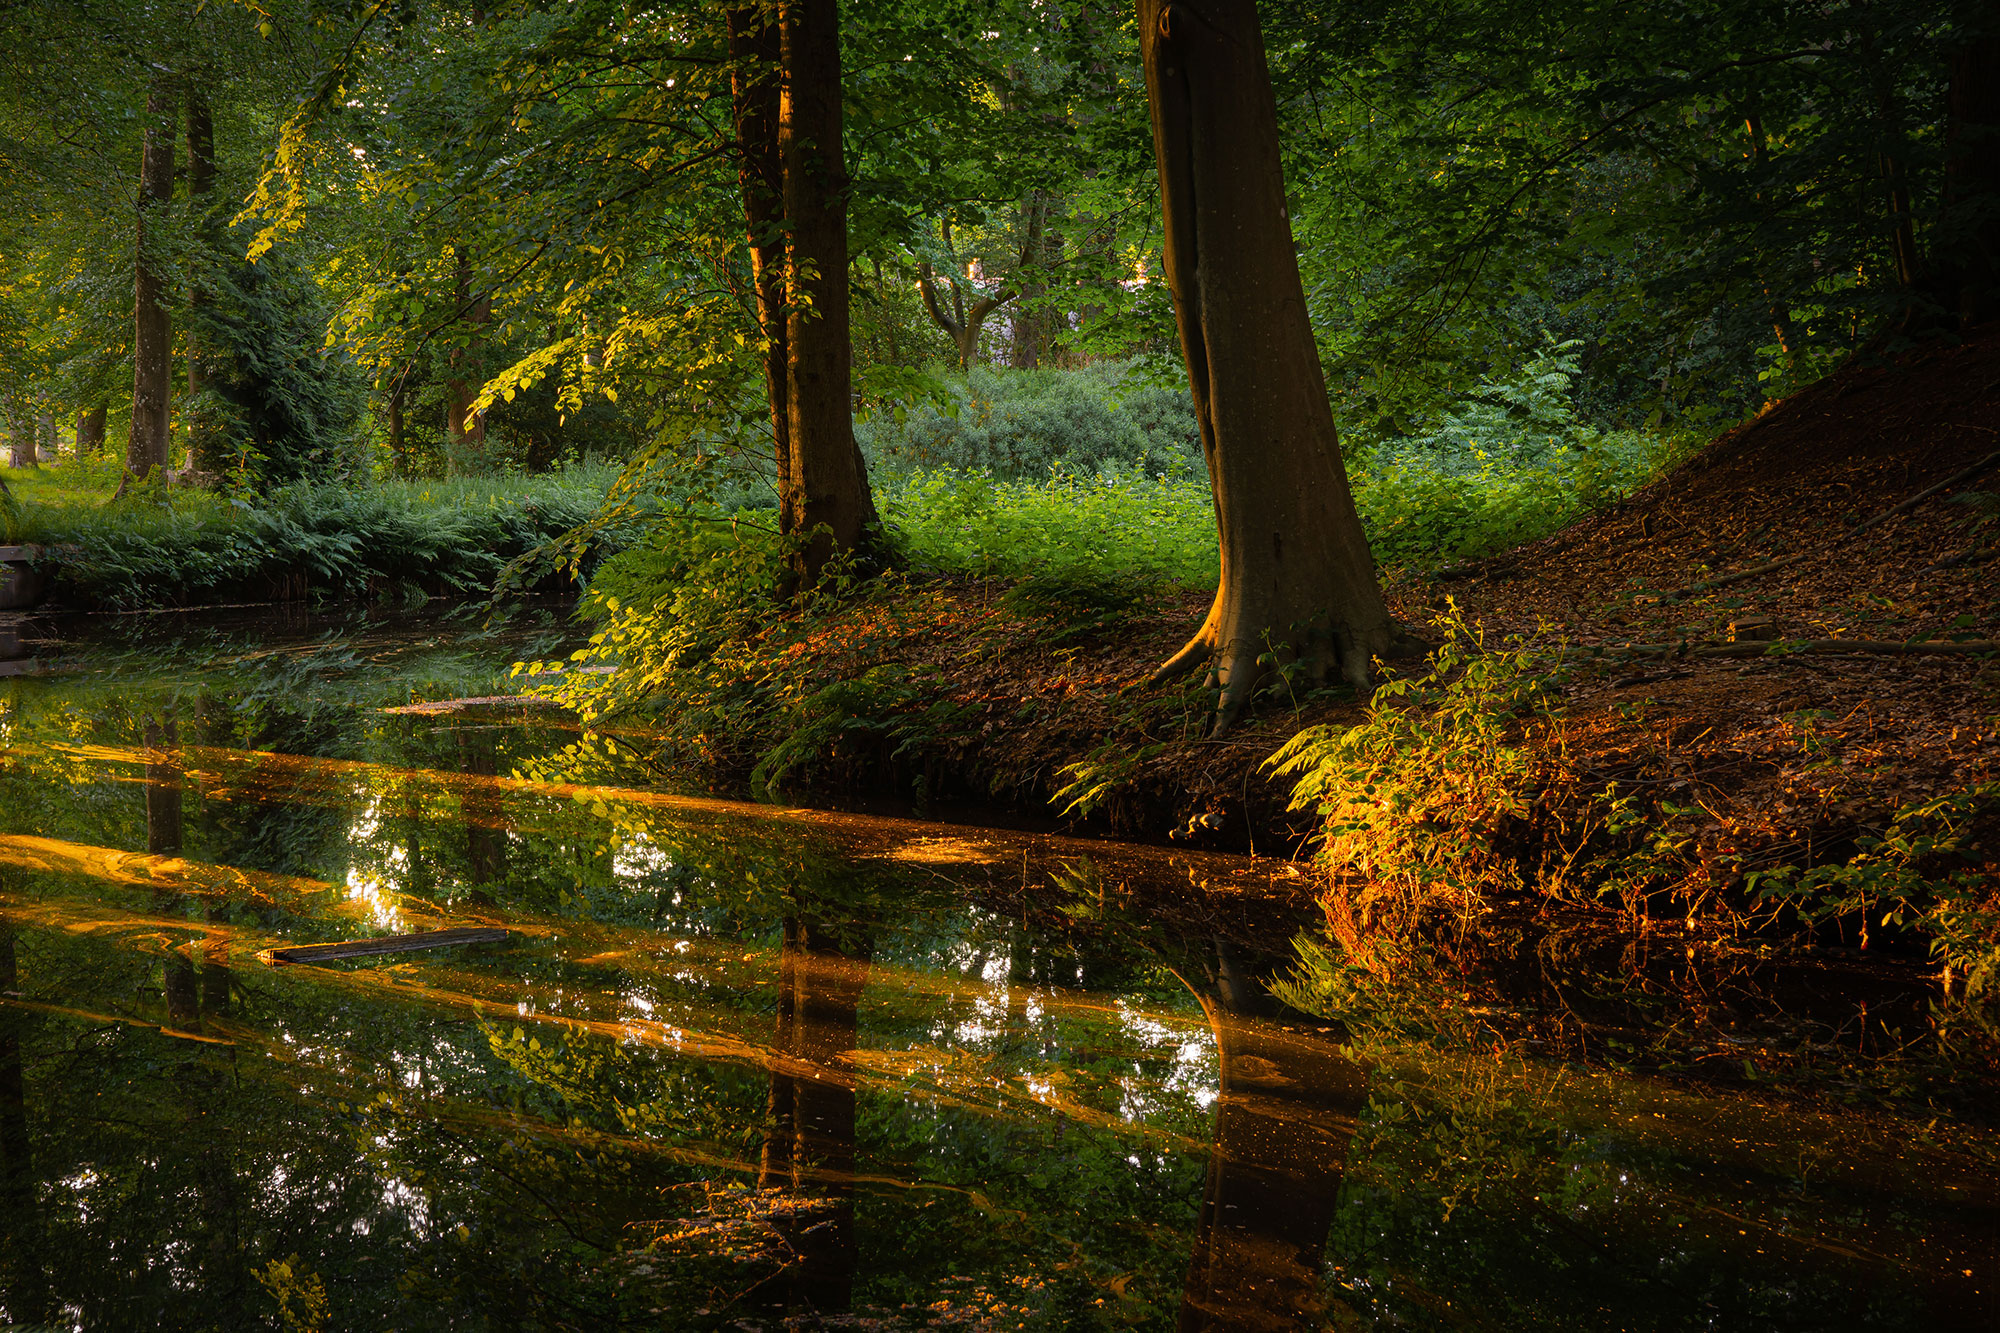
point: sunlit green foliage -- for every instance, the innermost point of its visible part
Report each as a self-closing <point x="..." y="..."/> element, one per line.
<point x="332" y="540"/>
<point x="1416" y="802"/>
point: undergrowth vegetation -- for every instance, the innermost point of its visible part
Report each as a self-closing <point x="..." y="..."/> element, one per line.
<point x="170" y="546"/>
<point x="1460" y="788"/>
<point x="1020" y="472"/>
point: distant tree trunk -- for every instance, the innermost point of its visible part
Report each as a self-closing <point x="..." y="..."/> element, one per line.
<point x="832" y="507"/>
<point x="45" y="432"/>
<point x="1969" y="232"/>
<point x="755" y="48"/>
<point x="90" y="432"/>
<point x="399" y="457"/>
<point x="203" y="447"/>
<point x="21" y="451"/>
<point x="1780" y="312"/>
<point x="466" y="429"/>
<point x="152" y="334"/>
<point x="960" y="324"/>
<point x="1298" y="582"/>
<point x="1028" y="328"/>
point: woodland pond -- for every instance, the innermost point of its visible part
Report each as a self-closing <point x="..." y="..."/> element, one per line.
<point x="739" y="1066"/>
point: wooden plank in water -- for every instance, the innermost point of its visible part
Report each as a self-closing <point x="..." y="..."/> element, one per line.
<point x="423" y="939"/>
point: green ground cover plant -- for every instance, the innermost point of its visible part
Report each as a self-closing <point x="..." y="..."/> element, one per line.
<point x="168" y="546"/>
<point x="1099" y="473"/>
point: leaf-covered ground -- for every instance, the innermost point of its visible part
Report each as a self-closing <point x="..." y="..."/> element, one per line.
<point x="1739" y="762"/>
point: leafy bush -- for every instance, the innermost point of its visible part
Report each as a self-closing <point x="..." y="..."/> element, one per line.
<point x="700" y="624"/>
<point x="1018" y="424"/>
<point x="279" y="406"/>
<point x="1510" y="463"/>
<point x="165" y="547"/>
<point x="1099" y="530"/>
<point x="1413" y="801"/>
<point x="1925" y="871"/>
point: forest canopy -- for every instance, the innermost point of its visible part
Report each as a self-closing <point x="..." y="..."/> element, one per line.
<point x="386" y="220"/>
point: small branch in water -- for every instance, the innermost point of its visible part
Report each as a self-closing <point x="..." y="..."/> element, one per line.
<point x="423" y="939"/>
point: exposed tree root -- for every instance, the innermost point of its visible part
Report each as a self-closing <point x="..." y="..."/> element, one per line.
<point x="1237" y="670"/>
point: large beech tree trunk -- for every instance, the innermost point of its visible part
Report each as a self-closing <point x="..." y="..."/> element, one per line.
<point x="831" y="504"/>
<point x="754" y="51"/>
<point x="152" y="334"/>
<point x="1298" y="582"/>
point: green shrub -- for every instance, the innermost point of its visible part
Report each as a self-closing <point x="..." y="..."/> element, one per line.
<point x="1115" y="527"/>
<point x="164" y="547"/>
<point x="1025" y="424"/>
<point x="1511" y="463"/>
<point x="1413" y="801"/>
<point x="1923" y="871"/>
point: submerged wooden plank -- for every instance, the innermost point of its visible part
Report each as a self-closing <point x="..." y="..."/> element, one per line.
<point x="423" y="939"/>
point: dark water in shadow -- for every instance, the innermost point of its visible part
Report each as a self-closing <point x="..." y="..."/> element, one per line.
<point x="745" y="1067"/>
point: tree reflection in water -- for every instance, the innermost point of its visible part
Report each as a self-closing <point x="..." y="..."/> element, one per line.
<point x="1284" y="1116"/>
<point x="809" y="1138"/>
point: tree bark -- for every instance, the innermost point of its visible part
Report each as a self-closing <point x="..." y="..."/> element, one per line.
<point x="21" y="451"/>
<point x="90" y="431"/>
<point x="202" y="447"/>
<point x="755" y="49"/>
<point x="398" y="445"/>
<point x="1028" y="329"/>
<point x="833" y="509"/>
<point x="465" y="428"/>
<point x="1298" y="582"/>
<point x="1970" y="232"/>
<point x="152" y="333"/>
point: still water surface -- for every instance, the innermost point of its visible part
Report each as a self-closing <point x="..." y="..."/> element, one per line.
<point x="739" y="1066"/>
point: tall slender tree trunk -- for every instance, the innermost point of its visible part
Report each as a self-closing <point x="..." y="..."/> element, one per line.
<point x="21" y="451"/>
<point x="1780" y="312"/>
<point x="90" y="431"/>
<point x="1298" y="582"/>
<point x="466" y="429"/>
<point x="152" y="333"/>
<point x="399" y="457"/>
<point x="755" y="49"/>
<point x="1028" y="326"/>
<point x="203" y="447"/>
<point x="1970" y="231"/>
<point x="832" y="506"/>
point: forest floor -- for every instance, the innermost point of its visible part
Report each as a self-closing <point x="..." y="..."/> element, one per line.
<point x="1740" y="760"/>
